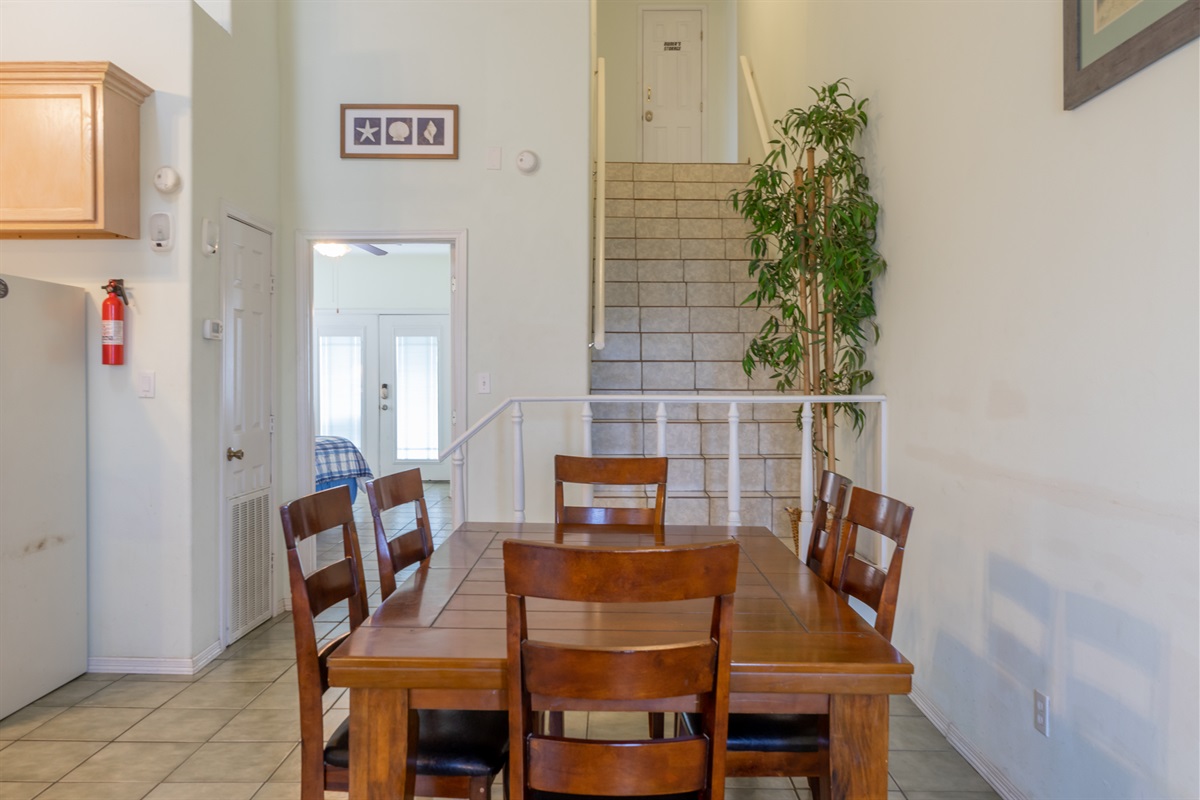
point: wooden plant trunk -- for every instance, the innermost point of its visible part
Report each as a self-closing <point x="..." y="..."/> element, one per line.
<point x="817" y="335"/>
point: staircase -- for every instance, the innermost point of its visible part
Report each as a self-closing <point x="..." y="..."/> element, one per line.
<point x="676" y="273"/>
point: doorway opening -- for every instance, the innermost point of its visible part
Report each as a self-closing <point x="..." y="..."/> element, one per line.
<point x="384" y="348"/>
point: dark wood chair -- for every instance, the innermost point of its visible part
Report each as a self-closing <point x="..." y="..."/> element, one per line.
<point x="797" y="745"/>
<point x="410" y="547"/>
<point x="459" y="753"/>
<point x="610" y="472"/>
<point x="827" y="523"/>
<point x="616" y="471"/>
<point x="672" y="675"/>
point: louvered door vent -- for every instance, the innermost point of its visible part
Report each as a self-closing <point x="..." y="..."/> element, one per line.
<point x="250" y="572"/>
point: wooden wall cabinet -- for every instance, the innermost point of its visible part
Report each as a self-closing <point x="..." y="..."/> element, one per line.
<point x="69" y="150"/>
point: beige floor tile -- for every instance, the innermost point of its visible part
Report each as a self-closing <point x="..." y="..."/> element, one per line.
<point x="232" y="762"/>
<point x="281" y="694"/>
<point x="282" y="790"/>
<point x="179" y="725"/>
<point x="43" y="761"/>
<point x="204" y="791"/>
<point x="266" y="648"/>
<point x="19" y="723"/>
<point x="96" y="791"/>
<point x="133" y="694"/>
<point x="261" y="725"/>
<point x="83" y="724"/>
<point x="23" y="791"/>
<point x="217" y="695"/>
<point x="107" y="677"/>
<point x="250" y="670"/>
<point x="915" y="733"/>
<point x="132" y="762"/>
<point x="932" y="771"/>
<point x="617" y="725"/>
<point x="289" y="770"/>
<point x="900" y="705"/>
<point x="72" y="693"/>
<point x="332" y="719"/>
<point x="948" y="796"/>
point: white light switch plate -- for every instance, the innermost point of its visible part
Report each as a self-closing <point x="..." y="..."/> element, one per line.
<point x="495" y="157"/>
<point x="145" y="387"/>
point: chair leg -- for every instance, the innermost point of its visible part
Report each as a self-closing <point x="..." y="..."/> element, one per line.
<point x="657" y="725"/>
<point x="554" y="723"/>
<point x="479" y="788"/>
<point x="819" y="787"/>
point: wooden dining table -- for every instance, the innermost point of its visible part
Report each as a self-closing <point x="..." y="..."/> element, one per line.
<point x="439" y="642"/>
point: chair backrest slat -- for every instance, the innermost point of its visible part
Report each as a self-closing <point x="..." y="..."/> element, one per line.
<point x="616" y="575"/>
<point x="660" y="766"/>
<point x="827" y="522"/>
<point x="331" y="584"/>
<point x="858" y="578"/>
<point x="610" y="472"/>
<point x="410" y="547"/>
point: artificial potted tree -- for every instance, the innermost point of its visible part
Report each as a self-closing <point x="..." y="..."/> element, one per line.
<point x="813" y="258"/>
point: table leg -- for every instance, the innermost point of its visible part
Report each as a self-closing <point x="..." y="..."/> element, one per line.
<point x="383" y="744"/>
<point x="858" y="746"/>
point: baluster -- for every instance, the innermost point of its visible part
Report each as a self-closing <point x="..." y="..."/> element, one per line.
<point x="806" y="475"/>
<point x="458" y="485"/>
<point x="660" y="419"/>
<point x="589" y="491"/>
<point x="518" y="464"/>
<point x="735" y="469"/>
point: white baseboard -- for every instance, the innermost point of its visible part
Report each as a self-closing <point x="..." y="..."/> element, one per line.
<point x="974" y="756"/>
<point x="156" y="666"/>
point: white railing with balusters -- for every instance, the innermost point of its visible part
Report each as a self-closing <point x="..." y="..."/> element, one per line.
<point x="805" y="402"/>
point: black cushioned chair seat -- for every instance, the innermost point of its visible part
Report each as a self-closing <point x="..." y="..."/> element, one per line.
<point x="455" y="743"/>
<point x="767" y="733"/>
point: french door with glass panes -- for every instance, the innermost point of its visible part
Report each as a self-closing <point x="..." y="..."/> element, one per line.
<point x="383" y="382"/>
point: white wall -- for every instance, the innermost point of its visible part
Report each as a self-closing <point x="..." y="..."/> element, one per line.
<point x="619" y="42"/>
<point x="236" y="119"/>
<point x="1040" y="354"/>
<point x="140" y="502"/>
<point x="771" y="35"/>
<point x="527" y="235"/>
<point x="398" y="281"/>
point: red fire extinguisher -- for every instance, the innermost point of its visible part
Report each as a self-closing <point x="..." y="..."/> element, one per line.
<point x="112" y="322"/>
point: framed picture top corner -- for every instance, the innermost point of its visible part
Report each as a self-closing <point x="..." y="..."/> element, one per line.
<point x="1106" y="41"/>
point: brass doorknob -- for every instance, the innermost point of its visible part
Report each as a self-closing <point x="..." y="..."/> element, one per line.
<point x="649" y="116"/>
<point x="231" y="454"/>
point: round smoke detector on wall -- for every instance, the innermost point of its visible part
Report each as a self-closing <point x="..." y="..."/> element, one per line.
<point x="527" y="161"/>
<point x="166" y="180"/>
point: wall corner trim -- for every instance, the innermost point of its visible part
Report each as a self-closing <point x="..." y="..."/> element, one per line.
<point x="156" y="666"/>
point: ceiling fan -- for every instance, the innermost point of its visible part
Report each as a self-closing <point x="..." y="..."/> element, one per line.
<point x="372" y="249"/>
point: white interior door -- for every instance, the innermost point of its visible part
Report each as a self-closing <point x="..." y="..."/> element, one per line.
<point x="247" y="285"/>
<point x="414" y="393"/>
<point x="672" y="86"/>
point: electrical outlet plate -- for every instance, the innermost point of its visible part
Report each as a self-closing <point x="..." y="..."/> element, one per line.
<point x="1041" y="713"/>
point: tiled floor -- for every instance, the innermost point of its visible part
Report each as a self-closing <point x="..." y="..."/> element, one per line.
<point x="231" y="731"/>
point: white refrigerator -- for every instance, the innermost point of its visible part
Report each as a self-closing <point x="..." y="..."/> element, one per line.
<point x="43" y="489"/>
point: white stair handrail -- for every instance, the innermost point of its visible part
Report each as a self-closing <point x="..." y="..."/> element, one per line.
<point x="455" y="451"/>
<point x="601" y="220"/>
<point x="752" y="90"/>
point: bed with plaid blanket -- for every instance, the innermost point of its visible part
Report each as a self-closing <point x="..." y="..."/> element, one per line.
<point x="339" y="463"/>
